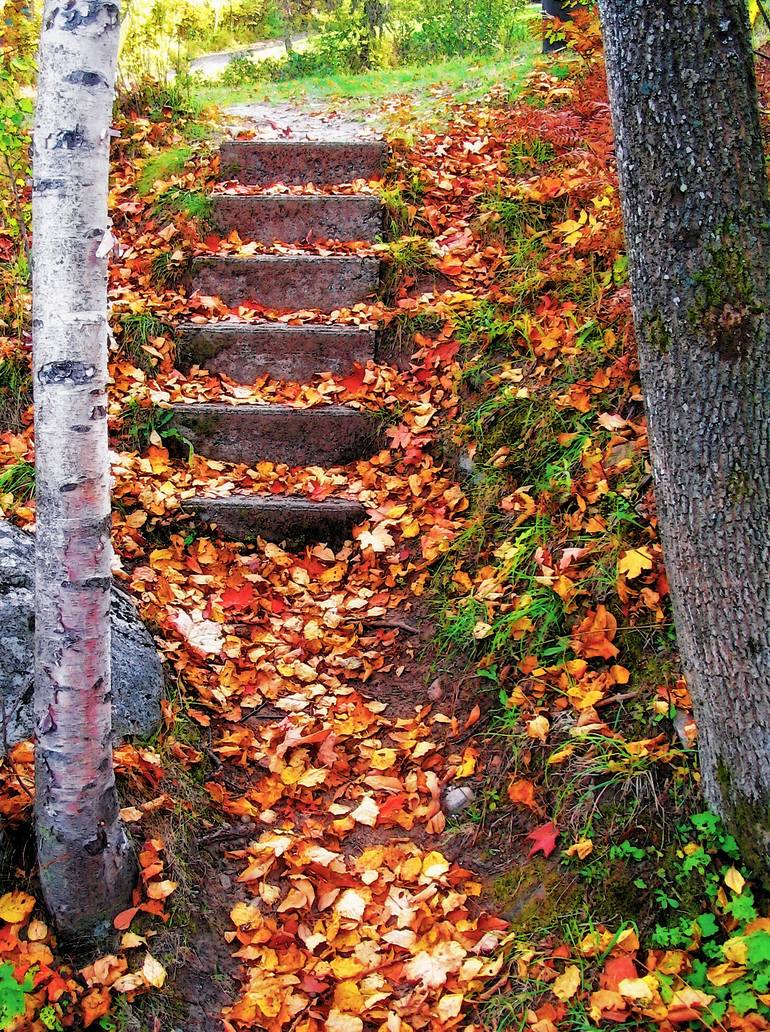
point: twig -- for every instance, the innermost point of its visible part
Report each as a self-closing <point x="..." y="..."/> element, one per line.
<point x="623" y="697"/>
<point x="222" y="834"/>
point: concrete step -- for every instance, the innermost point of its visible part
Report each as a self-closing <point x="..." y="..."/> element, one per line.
<point x="295" y="162"/>
<point x="268" y="217"/>
<point x="329" y="435"/>
<point x="297" y="521"/>
<point x="246" y="351"/>
<point x="288" y="283"/>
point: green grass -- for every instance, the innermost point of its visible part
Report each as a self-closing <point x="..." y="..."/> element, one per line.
<point x="161" y="166"/>
<point x="19" y="480"/>
<point x="459" y="80"/>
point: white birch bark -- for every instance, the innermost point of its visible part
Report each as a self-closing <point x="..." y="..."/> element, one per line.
<point x="86" y="863"/>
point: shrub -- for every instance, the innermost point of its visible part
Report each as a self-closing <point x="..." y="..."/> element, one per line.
<point x="457" y="28"/>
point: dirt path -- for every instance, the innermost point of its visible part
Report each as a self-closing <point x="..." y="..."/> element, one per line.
<point x="307" y="121"/>
<point x="212" y="65"/>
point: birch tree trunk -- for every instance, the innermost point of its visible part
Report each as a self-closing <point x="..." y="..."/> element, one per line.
<point x="86" y="864"/>
<point x="697" y="220"/>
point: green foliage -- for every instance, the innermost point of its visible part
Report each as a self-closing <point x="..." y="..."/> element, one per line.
<point x="19" y="480"/>
<point x="162" y="166"/>
<point x="15" y="389"/>
<point x="149" y="97"/>
<point x="168" y="272"/>
<point x="347" y="38"/>
<point x="436" y="29"/>
<point x="525" y="156"/>
<point x="195" y="204"/>
<point x="137" y="330"/>
<point x="140" y="423"/>
<point x="12" y="995"/>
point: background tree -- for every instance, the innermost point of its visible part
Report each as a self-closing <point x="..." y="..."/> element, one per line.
<point x="86" y="864"/>
<point x="697" y="218"/>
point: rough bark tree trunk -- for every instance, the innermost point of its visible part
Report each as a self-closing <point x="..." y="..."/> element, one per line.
<point x="697" y="220"/>
<point x="86" y="864"/>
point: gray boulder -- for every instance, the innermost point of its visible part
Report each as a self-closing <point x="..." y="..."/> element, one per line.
<point x="137" y="673"/>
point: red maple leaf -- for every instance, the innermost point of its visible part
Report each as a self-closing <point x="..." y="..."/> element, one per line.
<point x="543" y="839"/>
<point x="238" y="598"/>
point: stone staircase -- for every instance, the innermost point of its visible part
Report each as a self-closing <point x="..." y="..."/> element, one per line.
<point x="330" y="435"/>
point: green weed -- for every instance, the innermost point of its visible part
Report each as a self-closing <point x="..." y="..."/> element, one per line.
<point x="162" y="166"/>
<point x="15" y="390"/>
<point x="137" y="330"/>
<point x="19" y="480"/>
<point x="195" y="204"/>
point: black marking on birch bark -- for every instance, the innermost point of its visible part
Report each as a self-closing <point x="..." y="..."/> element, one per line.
<point x="42" y="186"/>
<point x="82" y="77"/>
<point x="98" y="412"/>
<point x="57" y="373"/>
<point x="87" y="585"/>
<point x="68" y="139"/>
<point x="72" y="16"/>
<point x="66" y="488"/>
<point x="80" y="429"/>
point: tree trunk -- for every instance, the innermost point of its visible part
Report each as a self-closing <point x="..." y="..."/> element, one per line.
<point x="696" y="214"/>
<point x="288" y="18"/>
<point x="86" y="864"/>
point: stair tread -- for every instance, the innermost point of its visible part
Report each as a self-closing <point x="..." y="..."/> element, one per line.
<point x="270" y="328"/>
<point x="262" y="162"/>
<point x="279" y="518"/>
<point x="296" y="282"/>
<point x="265" y="408"/>
<point x="327" y="436"/>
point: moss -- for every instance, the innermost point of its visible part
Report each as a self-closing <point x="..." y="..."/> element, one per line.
<point x="726" y="302"/>
<point x="748" y="820"/>
<point x="536" y="896"/>
<point x="740" y="485"/>
<point x="656" y="333"/>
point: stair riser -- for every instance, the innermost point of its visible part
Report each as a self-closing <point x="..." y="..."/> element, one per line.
<point x="296" y="219"/>
<point x="288" y="284"/>
<point x="276" y="433"/>
<point x="283" y="521"/>
<point x="263" y="163"/>
<point x="293" y="353"/>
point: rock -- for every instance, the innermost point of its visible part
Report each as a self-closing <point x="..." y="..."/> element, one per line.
<point x="137" y="673"/>
<point x="458" y="798"/>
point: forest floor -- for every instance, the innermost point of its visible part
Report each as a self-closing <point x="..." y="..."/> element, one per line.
<point x="443" y="777"/>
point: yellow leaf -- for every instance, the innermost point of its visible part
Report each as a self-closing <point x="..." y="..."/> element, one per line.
<point x="153" y="971"/>
<point x="567" y="984"/>
<point x="736" y="950"/>
<point x="734" y="880"/>
<point x="633" y="562"/>
<point x="635" y="989"/>
<point x="338" y="1021"/>
<point x="435" y="865"/>
<point x="16" y="906"/>
<point x="383" y="759"/>
<point x="580" y="849"/>
<point x="724" y="974"/>
<point x="449" y="1006"/>
<point x="538" y="728"/>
